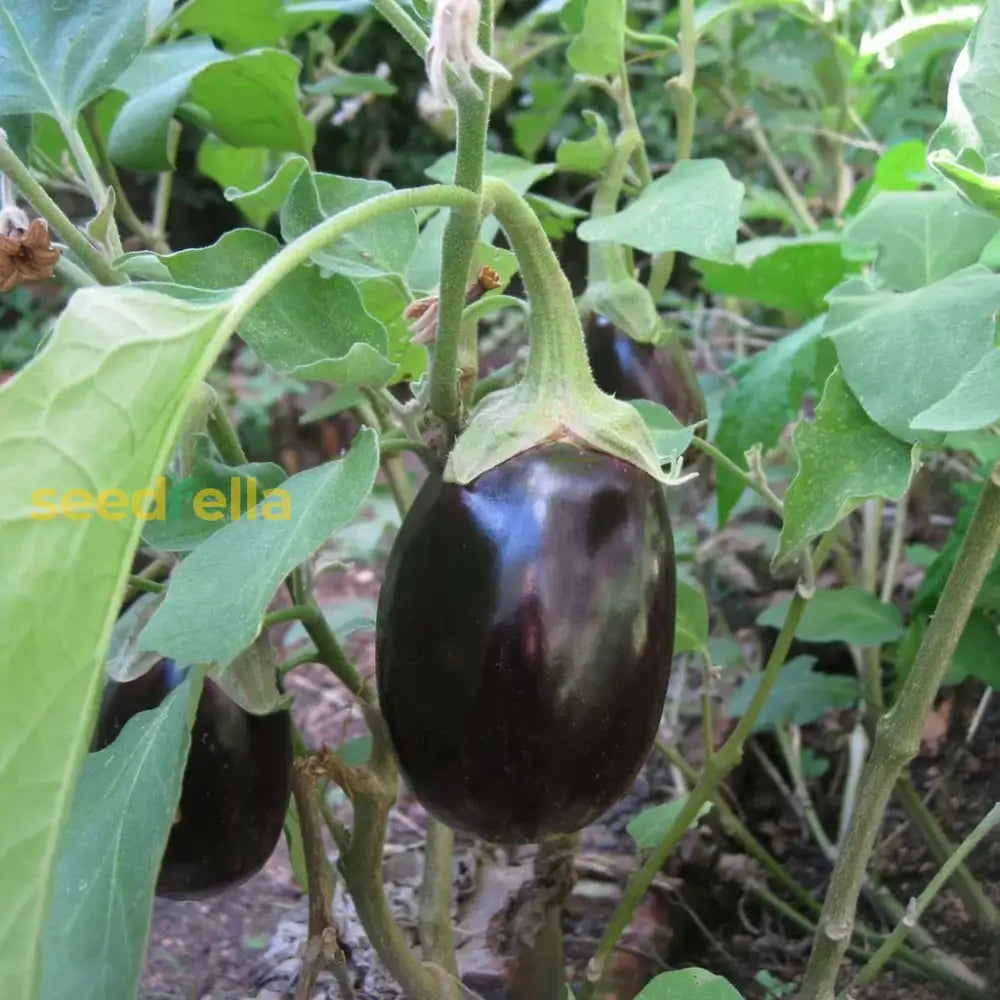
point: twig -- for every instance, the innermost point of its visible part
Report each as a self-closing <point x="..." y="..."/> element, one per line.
<point x="149" y="586"/>
<point x="434" y="913"/>
<point x="920" y="904"/>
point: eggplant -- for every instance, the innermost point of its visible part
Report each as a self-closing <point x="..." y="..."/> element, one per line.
<point x="624" y="368"/>
<point x="524" y="634"/>
<point x="236" y="785"/>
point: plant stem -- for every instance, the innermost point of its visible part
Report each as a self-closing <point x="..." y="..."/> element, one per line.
<point x="898" y="740"/>
<point x="918" y="906"/>
<point x="224" y="435"/>
<point x="330" y="653"/>
<point x="784" y="182"/>
<point x="42" y="203"/>
<point x="716" y="768"/>
<point x="434" y="913"/>
<point x="149" y="586"/>
<point x="300" y="249"/>
<point x="979" y="905"/>
<point x="685" y="106"/>
<point x="760" y="488"/>
<point x="540" y="967"/>
<point x="293" y="613"/>
<point x="317" y="877"/>
<point x="461" y="234"/>
<point x="165" y="184"/>
<point x="411" y="32"/>
<point x="73" y="275"/>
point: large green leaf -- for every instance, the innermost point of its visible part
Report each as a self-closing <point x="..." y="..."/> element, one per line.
<point x="57" y="57"/>
<point x="244" y="24"/>
<point x="110" y="850"/>
<point x="236" y="169"/>
<point x="843" y="615"/>
<point x="310" y="326"/>
<point x="800" y="695"/>
<point x="218" y="594"/>
<point x="767" y="396"/>
<point x="921" y="236"/>
<point x="973" y="403"/>
<point x="688" y="984"/>
<point x="380" y="246"/>
<point x="791" y="273"/>
<point x="694" y="209"/>
<point x="97" y="409"/>
<point x="599" y="48"/>
<point x="901" y="353"/>
<point x="966" y="148"/>
<point x="843" y="459"/>
<point x="156" y="83"/>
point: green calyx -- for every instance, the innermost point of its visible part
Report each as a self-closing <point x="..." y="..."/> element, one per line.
<point x="557" y="399"/>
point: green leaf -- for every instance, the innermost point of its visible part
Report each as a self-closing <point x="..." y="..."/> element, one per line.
<point x="380" y="246"/>
<point x="236" y="169"/>
<point x="599" y="48"/>
<point x="921" y="236"/>
<point x="972" y="404"/>
<point x="109" y="854"/>
<point x="218" y="595"/>
<point x="156" y="83"/>
<point x="800" y="695"/>
<point x="310" y="326"/>
<point x="790" y="273"/>
<point x="384" y="300"/>
<point x="123" y="660"/>
<point x="903" y="352"/>
<point x="253" y="100"/>
<point x="114" y="352"/>
<point x="56" y="58"/>
<point x="351" y="85"/>
<point x="691" y="630"/>
<point x="244" y="24"/>
<point x="267" y="198"/>
<point x="844" y="615"/>
<point x="587" y="156"/>
<point x="694" y="209"/>
<point x="545" y="99"/>
<point x="187" y="521"/>
<point x="651" y="825"/>
<point x="844" y="458"/>
<point x="251" y="679"/>
<point x="977" y="654"/>
<point x="966" y="147"/>
<point x="768" y="395"/>
<point x="900" y="168"/>
<point x="688" y="984"/>
<point x="670" y="437"/>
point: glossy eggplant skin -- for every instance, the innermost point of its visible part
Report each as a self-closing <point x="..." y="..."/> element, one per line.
<point x="235" y="789"/>
<point x="524" y="635"/>
<point x="629" y="370"/>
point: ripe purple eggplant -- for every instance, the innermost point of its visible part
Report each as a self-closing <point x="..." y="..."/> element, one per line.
<point x="624" y="368"/>
<point x="235" y="789"/>
<point x="524" y="635"/>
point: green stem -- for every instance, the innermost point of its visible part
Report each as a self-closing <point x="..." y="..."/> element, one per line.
<point x="224" y="435"/>
<point x="606" y="261"/>
<point x="461" y="234"/>
<point x="301" y="249"/>
<point x="142" y="583"/>
<point x="411" y="32"/>
<point x="550" y="296"/>
<point x="760" y="488"/>
<point x="330" y="653"/>
<point x="306" y="656"/>
<point x="294" y="613"/>
<point x="165" y="184"/>
<point x="42" y="203"/>
<point x="73" y="275"/>
<point x="434" y="901"/>
<point x="681" y="89"/>
<point x="716" y="769"/>
<point x="917" y="908"/>
<point x="898" y="740"/>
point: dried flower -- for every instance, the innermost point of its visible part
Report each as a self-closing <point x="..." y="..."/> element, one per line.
<point x="424" y="314"/>
<point x="455" y="41"/>
<point x="26" y="253"/>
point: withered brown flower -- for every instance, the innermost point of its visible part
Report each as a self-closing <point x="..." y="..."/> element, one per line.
<point x="26" y="255"/>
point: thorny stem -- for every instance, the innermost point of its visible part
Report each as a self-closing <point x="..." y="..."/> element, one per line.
<point x="716" y="768"/>
<point x="920" y="904"/>
<point x="685" y="105"/>
<point x="461" y="234"/>
<point x="898" y="740"/>
<point x="42" y="203"/>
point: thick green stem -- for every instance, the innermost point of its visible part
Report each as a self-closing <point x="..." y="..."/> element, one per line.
<point x="434" y="912"/>
<point x="224" y="435"/>
<point x="685" y="106"/>
<point x="947" y="870"/>
<point x="897" y="741"/>
<point x="716" y="768"/>
<point x="42" y="203"/>
<point x="607" y="261"/>
<point x="461" y="234"/>
<point x="550" y="297"/>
